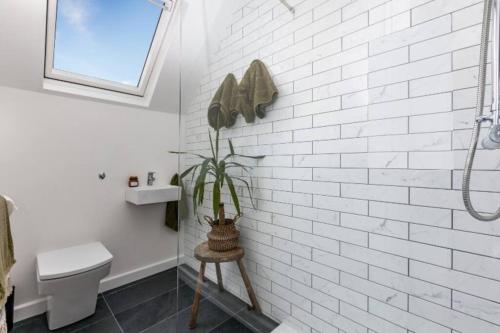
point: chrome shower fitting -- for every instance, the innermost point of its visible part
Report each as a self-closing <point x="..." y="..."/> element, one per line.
<point x="492" y="141"/>
<point x="288" y="6"/>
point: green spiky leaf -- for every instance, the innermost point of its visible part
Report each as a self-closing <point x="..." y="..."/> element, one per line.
<point x="216" y="198"/>
<point x="249" y="188"/>
<point x="212" y="145"/>
<point x="217" y="144"/>
<point x="259" y="157"/>
<point x="239" y="165"/>
<point x="200" y="182"/>
<point x="192" y="154"/>
<point x="194" y="172"/>
<point x="222" y="170"/>
<point x="185" y="173"/>
<point x="234" y="195"/>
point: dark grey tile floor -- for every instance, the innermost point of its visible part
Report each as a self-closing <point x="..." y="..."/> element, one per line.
<point x="150" y="306"/>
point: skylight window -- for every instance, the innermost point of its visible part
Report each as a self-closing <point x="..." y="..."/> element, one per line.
<point x="106" y="44"/>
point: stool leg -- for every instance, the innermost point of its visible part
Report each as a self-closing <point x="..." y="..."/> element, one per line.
<point x="219" y="276"/>
<point x="197" y="296"/>
<point x="248" y="285"/>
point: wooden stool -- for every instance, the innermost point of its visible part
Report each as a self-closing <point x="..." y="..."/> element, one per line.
<point x="205" y="255"/>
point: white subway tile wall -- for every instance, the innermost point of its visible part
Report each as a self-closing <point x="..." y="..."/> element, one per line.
<point x="359" y="224"/>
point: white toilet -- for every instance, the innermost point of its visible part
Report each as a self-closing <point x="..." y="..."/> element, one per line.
<point x="70" y="277"/>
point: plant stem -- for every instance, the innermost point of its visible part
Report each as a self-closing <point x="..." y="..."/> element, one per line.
<point x="217" y="146"/>
<point x="222" y="215"/>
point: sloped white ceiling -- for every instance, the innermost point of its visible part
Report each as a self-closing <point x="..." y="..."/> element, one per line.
<point x="22" y="48"/>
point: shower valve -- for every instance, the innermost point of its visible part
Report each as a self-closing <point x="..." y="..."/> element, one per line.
<point x="492" y="141"/>
<point x="484" y="118"/>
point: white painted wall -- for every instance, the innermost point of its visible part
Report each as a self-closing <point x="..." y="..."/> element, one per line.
<point x="360" y="225"/>
<point x="51" y="151"/>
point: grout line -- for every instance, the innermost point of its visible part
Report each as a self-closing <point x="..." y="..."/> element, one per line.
<point x="89" y="325"/>
<point x="147" y="300"/>
<point x="112" y="314"/>
<point x="134" y="283"/>
<point x="221" y="324"/>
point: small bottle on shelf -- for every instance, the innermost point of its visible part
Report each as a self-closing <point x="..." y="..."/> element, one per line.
<point x="133" y="181"/>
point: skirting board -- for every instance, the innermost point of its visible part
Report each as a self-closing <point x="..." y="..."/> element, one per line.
<point x="39" y="306"/>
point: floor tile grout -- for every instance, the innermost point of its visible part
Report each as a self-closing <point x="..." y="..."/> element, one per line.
<point x="132" y="284"/>
<point x="225" y="321"/>
<point x="142" y="302"/>
<point x="166" y="318"/>
<point x="242" y="321"/>
<point x="112" y="314"/>
<point x="161" y="321"/>
<point x="170" y="317"/>
<point x="89" y="325"/>
<point x="108" y="317"/>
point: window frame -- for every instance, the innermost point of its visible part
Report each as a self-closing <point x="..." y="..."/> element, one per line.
<point x="90" y="82"/>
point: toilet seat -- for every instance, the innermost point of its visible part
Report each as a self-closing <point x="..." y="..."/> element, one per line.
<point x="72" y="261"/>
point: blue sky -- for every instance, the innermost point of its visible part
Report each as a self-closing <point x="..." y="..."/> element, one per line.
<point x="106" y="39"/>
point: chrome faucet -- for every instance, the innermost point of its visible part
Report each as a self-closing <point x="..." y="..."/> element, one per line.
<point x="151" y="178"/>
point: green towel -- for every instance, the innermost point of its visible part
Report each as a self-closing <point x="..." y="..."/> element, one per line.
<point x="6" y="251"/>
<point x="256" y="91"/>
<point x="222" y="110"/>
<point x="172" y="214"/>
<point x="176" y="209"/>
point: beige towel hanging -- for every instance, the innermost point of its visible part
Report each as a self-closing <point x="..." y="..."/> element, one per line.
<point x="6" y="252"/>
<point x="3" y="320"/>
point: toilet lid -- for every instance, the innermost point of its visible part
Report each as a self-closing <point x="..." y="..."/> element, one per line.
<point x="72" y="260"/>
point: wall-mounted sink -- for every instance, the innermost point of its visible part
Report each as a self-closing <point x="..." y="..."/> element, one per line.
<point x="148" y="195"/>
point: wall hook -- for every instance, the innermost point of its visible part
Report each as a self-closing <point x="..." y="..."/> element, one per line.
<point x="287" y="5"/>
<point x="102" y="175"/>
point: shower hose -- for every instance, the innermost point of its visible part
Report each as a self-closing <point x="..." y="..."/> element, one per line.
<point x="488" y="4"/>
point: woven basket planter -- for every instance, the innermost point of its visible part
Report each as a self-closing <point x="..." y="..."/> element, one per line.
<point x="224" y="237"/>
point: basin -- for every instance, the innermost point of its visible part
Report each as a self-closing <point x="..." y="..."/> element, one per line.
<point x="149" y="195"/>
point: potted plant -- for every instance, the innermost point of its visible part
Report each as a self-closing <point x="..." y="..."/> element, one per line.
<point x="213" y="171"/>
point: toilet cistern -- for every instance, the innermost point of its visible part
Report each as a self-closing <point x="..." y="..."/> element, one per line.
<point x="151" y="178"/>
